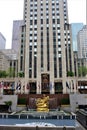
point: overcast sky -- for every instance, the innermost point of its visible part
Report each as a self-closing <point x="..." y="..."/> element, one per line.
<point x="13" y="10"/>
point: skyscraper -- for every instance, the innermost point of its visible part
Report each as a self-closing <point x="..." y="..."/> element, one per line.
<point x="2" y="41"/>
<point x="76" y="27"/>
<point x="15" y="35"/>
<point x="82" y="43"/>
<point x="86" y="12"/>
<point x="46" y="49"/>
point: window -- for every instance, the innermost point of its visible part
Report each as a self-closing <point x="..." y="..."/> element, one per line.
<point x="47" y="21"/>
<point x="41" y="28"/>
<point x="31" y="22"/>
<point x="41" y="21"/>
<point x="53" y="21"/>
<point x="35" y="21"/>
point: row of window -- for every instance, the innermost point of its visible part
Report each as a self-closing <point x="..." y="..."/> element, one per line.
<point x="54" y="21"/>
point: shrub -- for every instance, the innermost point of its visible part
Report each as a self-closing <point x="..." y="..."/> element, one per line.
<point x="22" y="101"/>
<point x="65" y="101"/>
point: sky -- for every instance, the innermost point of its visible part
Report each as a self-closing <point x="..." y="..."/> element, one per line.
<point x="13" y="10"/>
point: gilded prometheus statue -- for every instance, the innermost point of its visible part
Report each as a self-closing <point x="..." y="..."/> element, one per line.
<point x="43" y="104"/>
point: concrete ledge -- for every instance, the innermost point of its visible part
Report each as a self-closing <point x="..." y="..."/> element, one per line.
<point x="35" y="128"/>
<point x="24" y="116"/>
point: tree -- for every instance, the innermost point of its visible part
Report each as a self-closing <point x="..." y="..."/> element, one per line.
<point x="9" y="104"/>
<point x="82" y="71"/>
<point x="11" y="72"/>
<point x="70" y="73"/>
<point x="21" y="74"/>
<point x="3" y="74"/>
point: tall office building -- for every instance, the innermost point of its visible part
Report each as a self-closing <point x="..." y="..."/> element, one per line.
<point x="86" y="12"/>
<point x="2" y="41"/>
<point x="82" y="43"/>
<point x="46" y="50"/>
<point x="16" y="34"/>
<point x="76" y="27"/>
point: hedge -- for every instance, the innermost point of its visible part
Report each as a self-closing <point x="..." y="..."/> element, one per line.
<point x="22" y="101"/>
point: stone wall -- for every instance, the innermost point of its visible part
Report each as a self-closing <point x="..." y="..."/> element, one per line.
<point x="77" y="100"/>
<point x="12" y="98"/>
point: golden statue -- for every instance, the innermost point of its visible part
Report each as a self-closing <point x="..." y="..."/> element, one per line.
<point x="43" y="104"/>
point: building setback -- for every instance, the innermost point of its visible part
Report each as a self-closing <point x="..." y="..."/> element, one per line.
<point x="46" y="46"/>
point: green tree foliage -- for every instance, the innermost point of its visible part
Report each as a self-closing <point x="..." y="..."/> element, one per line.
<point x="21" y="101"/>
<point x="21" y="74"/>
<point x="3" y="74"/>
<point x="65" y="101"/>
<point x="82" y="71"/>
<point x="8" y="103"/>
<point x="11" y="72"/>
<point x="70" y="73"/>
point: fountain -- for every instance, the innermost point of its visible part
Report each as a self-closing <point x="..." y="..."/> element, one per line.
<point x="41" y="116"/>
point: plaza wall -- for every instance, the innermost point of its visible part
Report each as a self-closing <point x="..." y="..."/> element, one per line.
<point x="35" y="128"/>
<point x="13" y="98"/>
<point x="54" y="99"/>
<point x="77" y="100"/>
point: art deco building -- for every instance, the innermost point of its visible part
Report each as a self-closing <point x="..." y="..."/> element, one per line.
<point x="46" y="49"/>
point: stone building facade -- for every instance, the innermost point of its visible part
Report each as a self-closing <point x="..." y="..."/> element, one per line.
<point x="46" y="46"/>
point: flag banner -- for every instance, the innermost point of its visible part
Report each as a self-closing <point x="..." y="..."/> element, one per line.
<point x="23" y="87"/>
<point x="51" y="85"/>
<point x="0" y="85"/>
<point x="12" y="85"/>
<point x="72" y="85"/>
<point x="6" y="85"/>
<point x="39" y="85"/>
<point x="67" y="85"/>
<point x="76" y="85"/>
<point x="18" y="87"/>
<point x="28" y="86"/>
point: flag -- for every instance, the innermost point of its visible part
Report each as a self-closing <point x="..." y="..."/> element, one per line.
<point x="67" y="85"/>
<point x="12" y="85"/>
<point x="18" y="87"/>
<point x="23" y="87"/>
<point x="39" y="85"/>
<point x="0" y="85"/>
<point x="6" y="85"/>
<point x="72" y="85"/>
<point x="51" y="85"/>
<point x="76" y="86"/>
<point x="28" y="86"/>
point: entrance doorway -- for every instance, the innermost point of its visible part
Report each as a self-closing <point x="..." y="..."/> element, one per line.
<point x="45" y="83"/>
